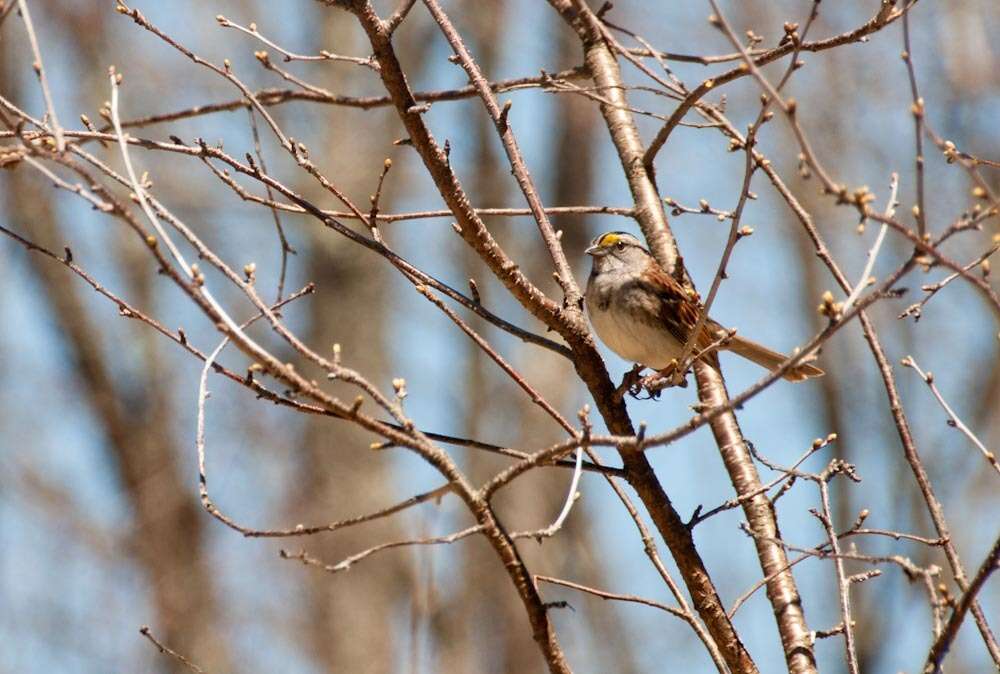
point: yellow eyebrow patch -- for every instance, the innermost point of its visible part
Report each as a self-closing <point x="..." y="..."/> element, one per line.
<point x="609" y="239"/>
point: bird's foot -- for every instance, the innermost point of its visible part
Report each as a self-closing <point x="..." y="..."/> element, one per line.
<point x="669" y="376"/>
<point x="631" y="383"/>
<point x="652" y="384"/>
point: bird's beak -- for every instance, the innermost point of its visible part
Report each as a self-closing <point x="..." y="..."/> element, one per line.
<point x="592" y="250"/>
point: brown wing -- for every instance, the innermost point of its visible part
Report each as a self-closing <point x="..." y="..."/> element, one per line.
<point x="680" y="309"/>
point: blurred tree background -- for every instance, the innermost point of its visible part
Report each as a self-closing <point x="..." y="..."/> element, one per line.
<point x="100" y="523"/>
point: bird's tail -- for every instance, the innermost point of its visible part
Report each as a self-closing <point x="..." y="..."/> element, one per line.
<point x="766" y="358"/>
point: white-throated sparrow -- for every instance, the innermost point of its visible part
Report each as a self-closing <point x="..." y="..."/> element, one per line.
<point x="646" y="316"/>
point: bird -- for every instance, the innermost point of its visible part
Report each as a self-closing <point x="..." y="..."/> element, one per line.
<point x="646" y="316"/>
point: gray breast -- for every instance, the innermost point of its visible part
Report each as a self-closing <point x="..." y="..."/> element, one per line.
<point x="625" y="317"/>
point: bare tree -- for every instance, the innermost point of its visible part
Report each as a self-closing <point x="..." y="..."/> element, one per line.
<point x="424" y="405"/>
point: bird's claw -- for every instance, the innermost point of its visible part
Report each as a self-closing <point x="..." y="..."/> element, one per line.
<point x="668" y="377"/>
<point x="631" y="383"/>
<point x="653" y="384"/>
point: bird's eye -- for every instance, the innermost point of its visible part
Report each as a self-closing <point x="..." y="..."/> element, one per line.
<point x="621" y="245"/>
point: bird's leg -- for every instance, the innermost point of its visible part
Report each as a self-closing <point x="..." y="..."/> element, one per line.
<point x="671" y="375"/>
<point x="677" y="375"/>
<point x="631" y="382"/>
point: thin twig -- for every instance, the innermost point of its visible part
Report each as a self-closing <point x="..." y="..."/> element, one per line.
<point x="944" y="641"/>
<point x="734" y="236"/>
<point x="843" y="583"/>
<point x="953" y="419"/>
<point x="203" y="150"/>
<point x="272" y="97"/>
<point x="572" y="494"/>
<point x="698" y="516"/>
<point x="129" y="311"/>
<point x="145" y="631"/>
<point x="890" y="211"/>
<point x="613" y="595"/>
<point x="291" y="56"/>
<point x="495" y="356"/>
<point x="348" y="562"/>
<point x="392" y="23"/>
<point x="50" y="107"/>
<point x="75" y="188"/>
<point x="933" y="289"/>
<point x="282" y="240"/>
<point x="140" y="193"/>
<point x="519" y="168"/>
<point x="886" y="14"/>
<point x="917" y="108"/>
